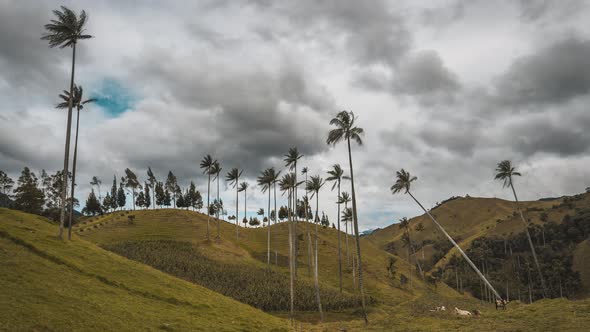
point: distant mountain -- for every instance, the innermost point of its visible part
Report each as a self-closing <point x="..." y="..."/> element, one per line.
<point x="369" y="231"/>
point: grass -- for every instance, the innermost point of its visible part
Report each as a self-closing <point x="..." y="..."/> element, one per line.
<point x="53" y="285"/>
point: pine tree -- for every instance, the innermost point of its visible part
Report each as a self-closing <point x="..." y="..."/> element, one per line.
<point x="191" y="196"/>
<point x="107" y="202"/>
<point x="140" y="201"/>
<point x="114" y="196"/>
<point x="167" y="198"/>
<point x="160" y="194"/>
<point x="92" y="205"/>
<point x="27" y="196"/>
<point x="180" y="200"/>
<point x="171" y="185"/>
<point x="121" y="198"/>
<point x="6" y="183"/>
<point x="147" y="199"/>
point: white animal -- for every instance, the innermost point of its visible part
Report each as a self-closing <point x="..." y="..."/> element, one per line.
<point x="441" y="308"/>
<point x="462" y="312"/>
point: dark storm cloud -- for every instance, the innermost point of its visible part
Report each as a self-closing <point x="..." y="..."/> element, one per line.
<point x="551" y="76"/>
<point x="374" y="32"/>
<point x="531" y="10"/>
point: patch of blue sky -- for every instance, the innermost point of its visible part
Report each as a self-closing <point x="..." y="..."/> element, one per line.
<point x="114" y="98"/>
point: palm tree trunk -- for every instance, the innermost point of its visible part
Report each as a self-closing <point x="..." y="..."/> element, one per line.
<point x="245" y="199"/>
<point x="458" y="248"/>
<point x="356" y="233"/>
<point x="208" y="191"/>
<point x="237" y="218"/>
<point x="528" y="235"/>
<point x="339" y="250"/>
<point x="316" y="277"/>
<point x="346" y="237"/>
<point x="309" y="249"/>
<point x="71" y="214"/>
<point x="64" y="190"/>
<point x="295" y="237"/>
<point x="291" y="265"/>
<point x="268" y="226"/>
<point x="218" y="202"/>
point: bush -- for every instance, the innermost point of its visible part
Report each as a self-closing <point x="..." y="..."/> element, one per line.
<point x="257" y="287"/>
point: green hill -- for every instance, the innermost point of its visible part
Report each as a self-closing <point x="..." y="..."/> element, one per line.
<point x="53" y="285"/>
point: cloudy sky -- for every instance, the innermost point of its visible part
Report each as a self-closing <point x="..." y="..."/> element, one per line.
<point x="444" y="89"/>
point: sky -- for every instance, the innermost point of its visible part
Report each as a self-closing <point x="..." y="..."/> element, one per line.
<point x="443" y="89"/>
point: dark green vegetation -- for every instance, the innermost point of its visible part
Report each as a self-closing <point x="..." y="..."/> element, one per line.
<point x="249" y="284"/>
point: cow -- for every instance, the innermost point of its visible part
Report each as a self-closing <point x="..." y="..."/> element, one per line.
<point x="501" y="304"/>
<point x="463" y="313"/>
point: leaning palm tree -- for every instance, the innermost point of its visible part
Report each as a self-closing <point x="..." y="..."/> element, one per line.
<point x="291" y="159"/>
<point x="405" y="224"/>
<point x="244" y="187"/>
<point x="65" y="31"/>
<point x="77" y="102"/>
<point x="304" y="171"/>
<point x="504" y="172"/>
<point x="233" y="177"/>
<point x="206" y="165"/>
<point x="344" y="198"/>
<point x="216" y="171"/>
<point x="336" y="174"/>
<point x="346" y="131"/>
<point x="314" y="185"/>
<point x="403" y="183"/>
<point x="287" y="185"/>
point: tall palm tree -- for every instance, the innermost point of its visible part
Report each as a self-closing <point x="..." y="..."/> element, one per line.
<point x="206" y="165"/>
<point x="287" y="185"/>
<point x="65" y="31"/>
<point x="405" y="224"/>
<point x="266" y="180"/>
<point x="504" y="172"/>
<point x="314" y="185"/>
<point x="346" y="131"/>
<point x="403" y="183"/>
<point x="291" y="159"/>
<point x="76" y="100"/>
<point x="344" y="198"/>
<point x="336" y="174"/>
<point x="244" y="187"/>
<point x="347" y="218"/>
<point x="304" y="171"/>
<point x="233" y="177"/>
<point x="216" y="171"/>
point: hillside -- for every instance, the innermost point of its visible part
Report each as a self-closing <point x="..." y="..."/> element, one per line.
<point x="53" y="285"/>
<point x="491" y="222"/>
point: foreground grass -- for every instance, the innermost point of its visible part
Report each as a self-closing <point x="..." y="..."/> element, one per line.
<point x="53" y="285"/>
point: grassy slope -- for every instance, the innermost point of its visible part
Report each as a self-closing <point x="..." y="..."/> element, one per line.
<point x="397" y="309"/>
<point x="582" y="263"/>
<point x="53" y="285"/>
<point x="465" y="219"/>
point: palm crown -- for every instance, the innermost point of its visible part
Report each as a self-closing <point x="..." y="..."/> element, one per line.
<point x="206" y="164"/>
<point x="243" y="186"/>
<point x="403" y="182"/>
<point x="336" y="174"/>
<point x="287" y="182"/>
<point x="343" y="198"/>
<point x="233" y="176"/>
<point x="76" y="101"/>
<point x="505" y="172"/>
<point x="66" y="29"/>
<point x="344" y="121"/>
<point x="314" y="184"/>
<point x="215" y="169"/>
<point x="291" y="158"/>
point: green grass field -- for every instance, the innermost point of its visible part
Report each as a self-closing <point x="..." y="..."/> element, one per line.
<point x="53" y="285"/>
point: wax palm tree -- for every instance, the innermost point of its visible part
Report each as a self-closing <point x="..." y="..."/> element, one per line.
<point x="291" y="159"/>
<point x="206" y="164"/>
<point x="405" y="224"/>
<point x="266" y="180"/>
<point x="403" y="183"/>
<point x="216" y="171"/>
<point x="305" y="171"/>
<point x="233" y="177"/>
<point x="336" y="174"/>
<point x="504" y="172"/>
<point x="314" y="185"/>
<point x="65" y="31"/>
<point x="287" y="185"/>
<point x="346" y="131"/>
<point x="244" y="187"/>
<point x="77" y="102"/>
<point x="344" y="198"/>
